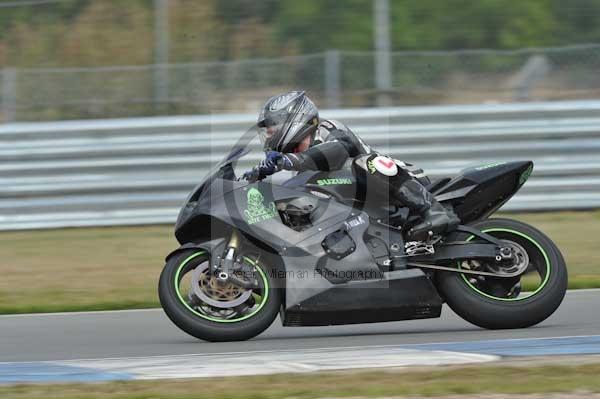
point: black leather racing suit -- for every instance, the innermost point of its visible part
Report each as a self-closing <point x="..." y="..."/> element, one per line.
<point x="335" y="143"/>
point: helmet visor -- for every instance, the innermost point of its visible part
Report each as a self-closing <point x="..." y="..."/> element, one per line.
<point x="286" y="121"/>
<point x="301" y="121"/>
<point x="265" y="134"/>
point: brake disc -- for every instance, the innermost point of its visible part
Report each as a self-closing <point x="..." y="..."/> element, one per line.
<point x="213" y="293"/>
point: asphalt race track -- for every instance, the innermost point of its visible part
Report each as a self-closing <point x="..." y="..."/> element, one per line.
<point x="150" y="333"/>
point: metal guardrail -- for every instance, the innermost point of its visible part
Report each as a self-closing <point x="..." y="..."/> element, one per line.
<point x="138" y="171"/>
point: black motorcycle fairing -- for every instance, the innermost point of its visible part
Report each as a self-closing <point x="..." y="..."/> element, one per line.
<point x="343" y="186"/>
<point x="215" y="246"/>
<point x="195" y="221"/>
<point x="399" y="295"/>
<point x="300" y="179"/>
<point x="315" y="280"/>
<point x="480" y="191"/>
<point x="307" y="264"/>
<point x="358" y="264"/>
<point x="233" y="209"/>
<point x="339" y="184"/>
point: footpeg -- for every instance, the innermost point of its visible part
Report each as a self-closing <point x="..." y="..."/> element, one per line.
<point x="416" y="248"/>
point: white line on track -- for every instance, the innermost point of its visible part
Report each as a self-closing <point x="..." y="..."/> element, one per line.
<point x="217" y="354"/>
<point x="294" y="361"/>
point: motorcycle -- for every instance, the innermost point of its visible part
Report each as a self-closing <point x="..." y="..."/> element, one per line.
<point x="319" y="250"/>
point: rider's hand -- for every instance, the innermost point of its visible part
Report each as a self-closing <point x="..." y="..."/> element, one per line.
<point x="273" y="163"/>
<point x="252" y="175"/>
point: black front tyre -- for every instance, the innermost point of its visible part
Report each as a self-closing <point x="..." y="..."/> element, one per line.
<point x="211" y="311"/>
<point x="497" y="303"/>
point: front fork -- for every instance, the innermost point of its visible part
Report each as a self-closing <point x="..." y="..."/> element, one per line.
<point x="225" y="264"/>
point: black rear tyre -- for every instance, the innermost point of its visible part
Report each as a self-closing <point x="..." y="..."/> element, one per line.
<point x="209" y="322"/>
<point x="489" y="302"/>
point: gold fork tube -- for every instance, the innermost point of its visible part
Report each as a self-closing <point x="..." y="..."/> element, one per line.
<point x="234" y="240"/>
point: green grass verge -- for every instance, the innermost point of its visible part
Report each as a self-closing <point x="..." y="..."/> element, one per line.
<point x="118" y="268"/>
<point x="381" y="383"/>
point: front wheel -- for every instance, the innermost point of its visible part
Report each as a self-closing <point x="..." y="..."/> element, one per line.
<point x="517" y="302"/>
<point x="207" y="309"/>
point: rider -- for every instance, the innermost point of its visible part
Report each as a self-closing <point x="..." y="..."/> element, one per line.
<point x="294" y="138"/>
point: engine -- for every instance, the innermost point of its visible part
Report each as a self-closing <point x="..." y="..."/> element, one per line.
<point x="298" y="213"/>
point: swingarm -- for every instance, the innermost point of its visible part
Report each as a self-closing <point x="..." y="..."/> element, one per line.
<point x="491" y="251"/>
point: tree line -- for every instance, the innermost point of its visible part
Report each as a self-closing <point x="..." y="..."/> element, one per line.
<point x="81" y="33"/>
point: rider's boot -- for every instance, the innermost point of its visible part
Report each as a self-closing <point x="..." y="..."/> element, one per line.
<point x="436" y="218"/>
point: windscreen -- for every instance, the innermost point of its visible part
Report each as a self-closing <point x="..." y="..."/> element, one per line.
<point x="243" y="155"/>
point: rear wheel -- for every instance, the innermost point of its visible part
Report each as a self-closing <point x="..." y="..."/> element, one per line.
<point x="198" y="303"/>
<point x="517" y="302"/>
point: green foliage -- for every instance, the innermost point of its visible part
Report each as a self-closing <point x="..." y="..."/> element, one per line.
<point x="113" y="32"/>
<point x="430" y="24"/>
<point x="579" y="20"/>
<point x="100" y="33"/>
<point x="236" y="11"/>
<point x="316" y="25"/>
<point x="62" y="12"/>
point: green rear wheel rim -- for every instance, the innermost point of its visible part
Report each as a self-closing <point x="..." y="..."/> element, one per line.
<point x="265" y="297"/>
<point x="536" y="244"/>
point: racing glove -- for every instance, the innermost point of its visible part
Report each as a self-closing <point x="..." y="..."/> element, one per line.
<point x="274" y="162"/>
<point x="251" y="175"/>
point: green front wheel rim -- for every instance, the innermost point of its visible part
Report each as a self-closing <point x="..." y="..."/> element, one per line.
<point x="535" y="243"/>
<point x="265" y="297"/>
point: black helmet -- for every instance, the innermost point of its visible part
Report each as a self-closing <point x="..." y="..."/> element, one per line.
<point x="286" y="120"/>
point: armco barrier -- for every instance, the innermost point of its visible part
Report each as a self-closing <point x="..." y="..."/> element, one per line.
<point x="138" y="171"/>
